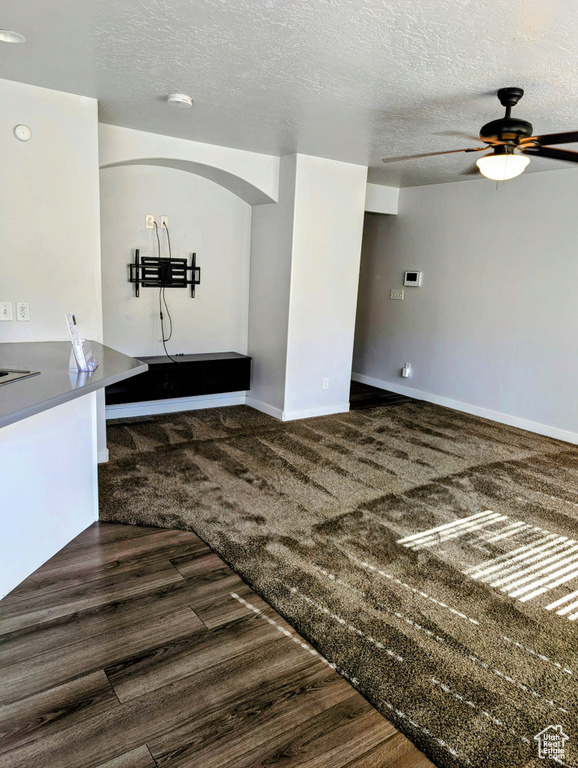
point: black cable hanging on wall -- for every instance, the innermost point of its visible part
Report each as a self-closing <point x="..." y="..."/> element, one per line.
<point x="163" y="298"/>
<point x="162" y="273"/>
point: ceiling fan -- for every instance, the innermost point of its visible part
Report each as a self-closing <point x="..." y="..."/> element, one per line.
<point x="509" y="137"/>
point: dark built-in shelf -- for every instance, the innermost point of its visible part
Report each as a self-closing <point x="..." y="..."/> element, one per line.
<point x="205" y="374"/>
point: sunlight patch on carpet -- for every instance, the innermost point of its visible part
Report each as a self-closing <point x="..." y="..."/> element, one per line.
<point x="529" y="571"/>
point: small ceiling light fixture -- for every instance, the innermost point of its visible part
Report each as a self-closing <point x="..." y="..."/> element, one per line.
<point x="22" y="132"/>
<point x="502" y="164"/>
<point x="8" y="36"/>
<point x="180" y="100"/>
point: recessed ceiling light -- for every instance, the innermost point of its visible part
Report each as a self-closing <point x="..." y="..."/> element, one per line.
<point x="180" y="100"/>
<point x="8" y="36"/>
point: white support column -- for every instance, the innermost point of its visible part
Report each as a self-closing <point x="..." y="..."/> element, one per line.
<point x="304" y="278"/>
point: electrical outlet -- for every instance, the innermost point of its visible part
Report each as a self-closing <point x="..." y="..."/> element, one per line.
<point x="5" y="311"/>
<point x="325" y="383"/>
<point x="22" y="311"/>
<point x="164" y="221"/>
<point x="396" y="295"/>
<point x="149" y="221"/>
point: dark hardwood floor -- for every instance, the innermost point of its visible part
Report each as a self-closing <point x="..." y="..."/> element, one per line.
<point x="366" y="396"/>
<point x="139" y="648"/>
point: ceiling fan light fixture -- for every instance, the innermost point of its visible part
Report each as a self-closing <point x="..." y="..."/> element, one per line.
<point x="502" y="164"/>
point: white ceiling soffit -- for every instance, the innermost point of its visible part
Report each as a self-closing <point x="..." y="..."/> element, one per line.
<point x="353" y="80"/>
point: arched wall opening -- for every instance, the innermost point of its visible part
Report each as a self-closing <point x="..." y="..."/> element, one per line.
<point x="235" y="183"/>
<point x="209" y="214"/>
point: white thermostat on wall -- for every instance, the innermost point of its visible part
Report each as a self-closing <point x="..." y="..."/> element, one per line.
<point x="412" y="278"/>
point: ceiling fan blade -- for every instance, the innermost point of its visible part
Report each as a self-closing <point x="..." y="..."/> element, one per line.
<point x="431" y="154"/>
<point x="553" y="138"/>
<point x="491" y="142"/>
<point x="459" y="135"/>
<point x="554" y="154"/>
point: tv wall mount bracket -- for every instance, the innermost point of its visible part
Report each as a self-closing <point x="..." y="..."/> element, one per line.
<point x="154" y="272"/>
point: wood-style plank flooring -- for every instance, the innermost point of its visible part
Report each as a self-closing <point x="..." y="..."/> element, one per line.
<point x="139" y="648"/>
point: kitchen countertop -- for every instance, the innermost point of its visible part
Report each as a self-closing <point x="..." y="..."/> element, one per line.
<point x="56" y="384"/>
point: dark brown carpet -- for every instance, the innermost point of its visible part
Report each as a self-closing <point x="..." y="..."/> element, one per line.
<point x="465" y="637"/>
<point x="366" y="396"/>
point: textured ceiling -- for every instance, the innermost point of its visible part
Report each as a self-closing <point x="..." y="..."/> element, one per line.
<point x="355" y="80"/>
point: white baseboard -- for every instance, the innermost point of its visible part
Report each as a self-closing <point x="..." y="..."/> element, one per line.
<point x="172" y="405"/>
<point x="259" y="405"/>
<point x="309" y="413"/>
<point x="153" y="407"/>
<point x="475" y="410"/>
<point x="102" y="455"/>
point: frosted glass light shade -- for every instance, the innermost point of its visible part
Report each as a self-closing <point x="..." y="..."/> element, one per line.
<point x="503" y="166"/>
<point x="9" y="36"/>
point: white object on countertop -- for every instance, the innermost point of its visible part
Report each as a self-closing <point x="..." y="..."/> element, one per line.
<point x="81" y="358"/>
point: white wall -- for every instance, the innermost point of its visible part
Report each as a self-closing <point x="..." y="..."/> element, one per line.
<point x="271" y="254"/>
<point x="329" y="206"/>
<point x="494" y="328"/>
<point x="48" y="486"/>
<point x="304" y="272"/>
<point x="204" y="218"/>
<point x="252" y="176"/>
<point x="49" y="221"/>
<point x="381" y="199"/>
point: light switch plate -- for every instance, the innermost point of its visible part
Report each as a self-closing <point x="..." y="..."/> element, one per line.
<point x="5" y="311"/>
<point x="396" y="294"/>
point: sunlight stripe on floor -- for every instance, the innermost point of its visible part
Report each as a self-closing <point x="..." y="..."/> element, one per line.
<point x="441" y="538"/>
<point x="507" y="532"/>
<point x="523" y="548"/>
<point x="543" y="565"/>
<point x="563" y="580"/>
<point x="558" y="583"/>
<point x="562" y="600"/>
<point x="461" y="521"/>
<point x="544" y="562"/>
<point x="529" y="582"/>
<point x="469" y="703"/>
<point x="347" y="624"/>
<point x="568" y="608"/>
<point x="528" y="563"/>
<point x="546" y="579"/>
<point x="473" y="525"/>
<point x="494" y="567"/>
